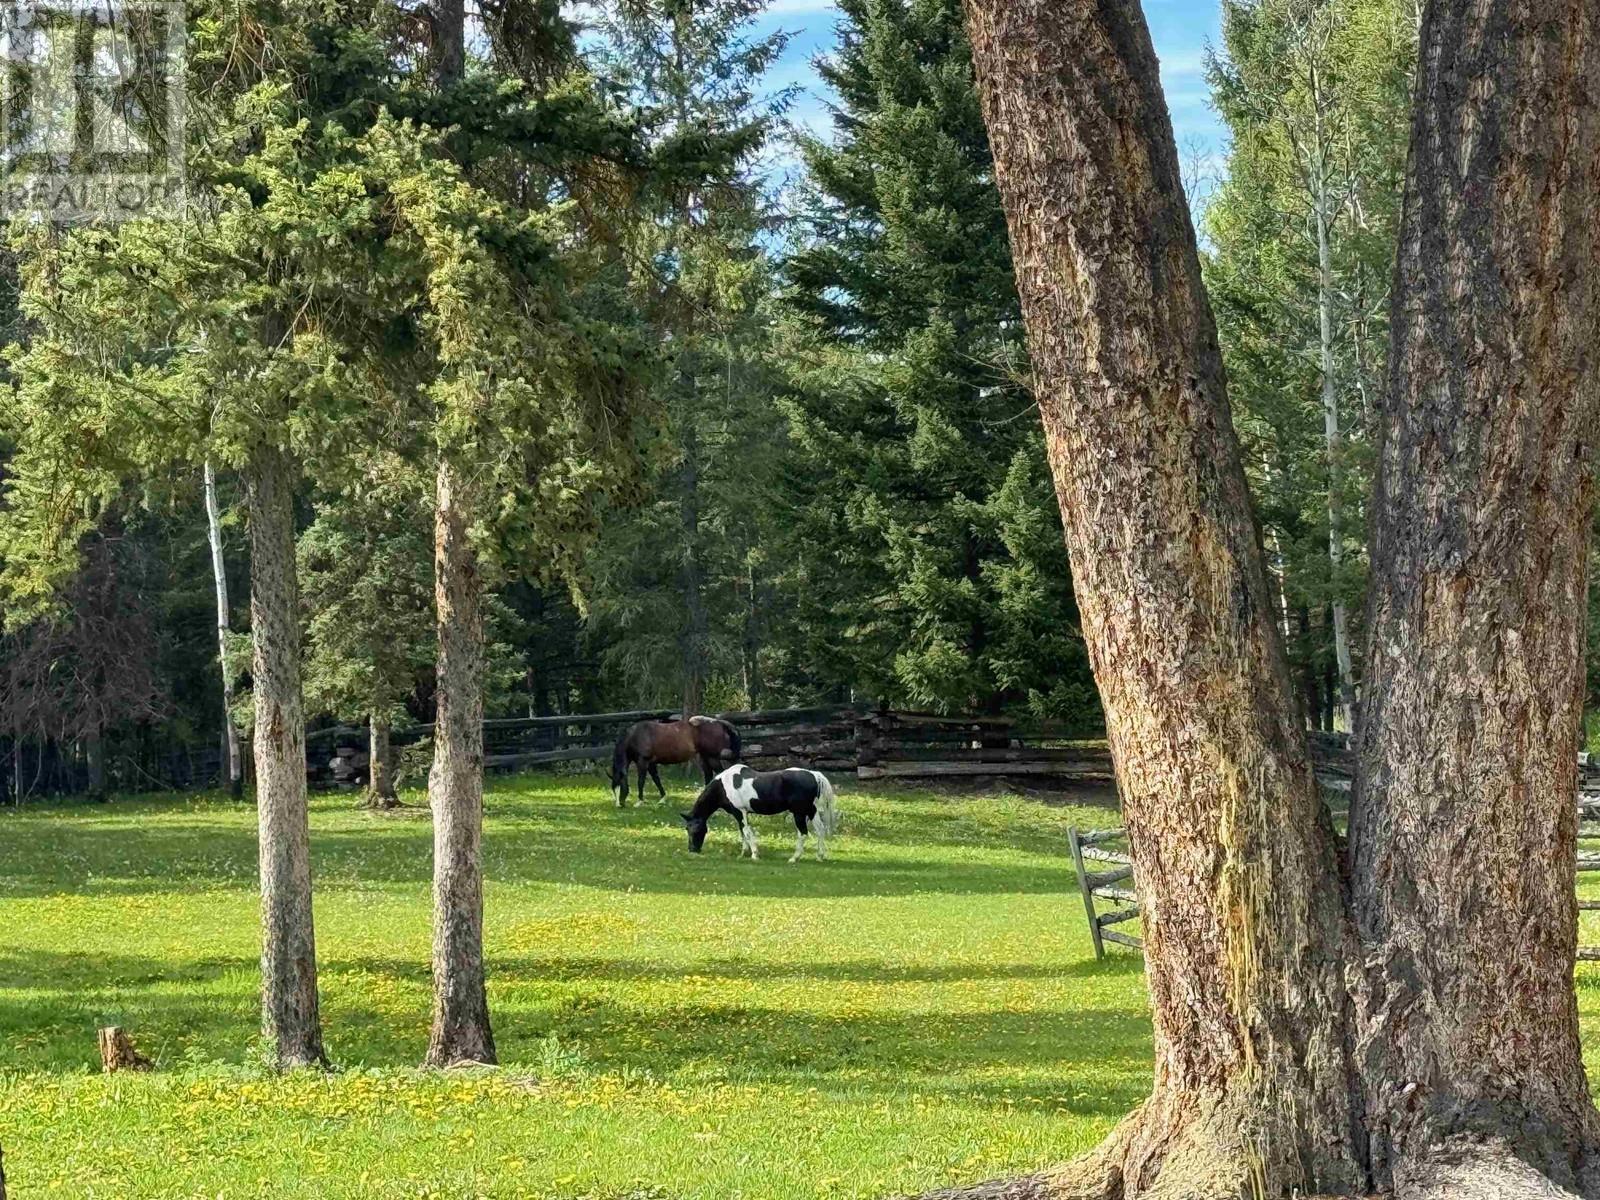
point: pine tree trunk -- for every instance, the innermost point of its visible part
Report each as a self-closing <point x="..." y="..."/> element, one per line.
<point x="380" y="764"/>
<point x="696" y="635"/>
<point x="461" y="1030"/>
<point x="1246" y="937"/>
<point x="290" y="1018"/>
<point x="1463" y="828"/>
<point x="233" y="760"/>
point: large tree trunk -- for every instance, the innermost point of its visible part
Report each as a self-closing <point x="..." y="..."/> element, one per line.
<point x="288" y="946"/>
<point x="233" y="761"/>
<point x="1246" y="937"/>
<point x="455" y="788"/>
<point x="1463" y="829"/>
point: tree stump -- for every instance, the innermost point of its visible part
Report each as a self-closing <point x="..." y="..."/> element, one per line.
<point x="118" y="1054"/>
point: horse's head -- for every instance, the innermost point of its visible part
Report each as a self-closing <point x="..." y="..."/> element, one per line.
<point x="697" y="831"/>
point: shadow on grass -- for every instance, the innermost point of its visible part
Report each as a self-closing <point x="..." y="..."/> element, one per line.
<point x="207" y="1010"/>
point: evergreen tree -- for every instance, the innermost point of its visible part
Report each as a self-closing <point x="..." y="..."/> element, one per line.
<point x="927" y="560"/>
<point x="367" y="583"/>
<point x="674" y="572"/>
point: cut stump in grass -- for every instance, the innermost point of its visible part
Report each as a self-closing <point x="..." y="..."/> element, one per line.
<point x="117" y="1053"/>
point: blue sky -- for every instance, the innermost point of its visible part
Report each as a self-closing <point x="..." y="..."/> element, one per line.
<point x="1180" y="28"/>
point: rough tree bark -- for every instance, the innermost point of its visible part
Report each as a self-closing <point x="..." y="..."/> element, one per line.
<point x="380" y="764"/>
<point x="1246" y="935"/>
<point x="234" y="763"/>
<point x="460" y="1030"/>
<point x="1459" y="1074"/>
<point x="289" y="1009"/>
<point x="1479" y="566"/>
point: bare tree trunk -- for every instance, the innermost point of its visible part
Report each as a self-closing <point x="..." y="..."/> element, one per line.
<point x="380" y="764"/>
<point x="696" y="635"/>
<point x="1246" y="937"/>
<point x="461" y="1030"/>
<point x="289" y="1011"/>
<point x="230" y="732"/>
<point x="1463" y="827"/>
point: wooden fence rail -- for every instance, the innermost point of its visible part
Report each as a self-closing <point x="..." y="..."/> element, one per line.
<point x="875" y="744"/>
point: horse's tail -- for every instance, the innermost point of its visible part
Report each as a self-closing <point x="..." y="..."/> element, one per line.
<point x="619" y="765"/>
<point x="827" y="811"/>
<point x="735" y="750"/>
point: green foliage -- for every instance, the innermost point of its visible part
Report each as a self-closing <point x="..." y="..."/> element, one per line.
<point x="679" y="576"/>
<point x="927" y="556"/>
<point x="1315" y="95"/>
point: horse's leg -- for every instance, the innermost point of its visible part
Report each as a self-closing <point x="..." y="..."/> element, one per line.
<point x="799" y="836"/>
<point x="646" y="765"/>
<point x="820" y="828"/>
<point x="747" y="835"/>
<point x="705" y="766"/>
<point x="656" y="775"/>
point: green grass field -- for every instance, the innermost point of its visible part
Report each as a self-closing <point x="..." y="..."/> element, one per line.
<point x="924" y="1008"/>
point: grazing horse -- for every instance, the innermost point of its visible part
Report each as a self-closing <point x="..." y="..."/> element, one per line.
<point x="741" y="792"/>
<point x="650" y="743"/>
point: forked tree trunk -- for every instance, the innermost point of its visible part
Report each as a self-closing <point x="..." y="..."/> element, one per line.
<point x="1463" y="828"/>
<point x="1246" y="936"/>
<point x="455" y="788"/>
<point x="380" y="764"/>
<point x="289" y="1013"/>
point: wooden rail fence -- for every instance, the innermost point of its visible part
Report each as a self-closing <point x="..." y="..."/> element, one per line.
<point x="875" y="744"/>
<point x="1107" y="848"/>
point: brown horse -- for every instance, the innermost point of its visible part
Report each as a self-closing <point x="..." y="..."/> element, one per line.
<point x="714" y="742"/>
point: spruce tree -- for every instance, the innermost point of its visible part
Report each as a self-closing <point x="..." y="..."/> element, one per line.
<point x="674" y="572"/>
<point x="919" y="568"/>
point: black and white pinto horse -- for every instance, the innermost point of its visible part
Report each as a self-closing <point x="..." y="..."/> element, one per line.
<point x="742" y="793"/>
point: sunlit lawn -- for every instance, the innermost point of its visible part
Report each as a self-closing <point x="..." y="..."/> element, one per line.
<point x="923" y="1009"/>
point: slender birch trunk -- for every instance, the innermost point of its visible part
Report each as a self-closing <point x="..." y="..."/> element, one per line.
<point x="1333" y="439"/>
<point x="233" y="760"/>
<point x="289" y="1007"/>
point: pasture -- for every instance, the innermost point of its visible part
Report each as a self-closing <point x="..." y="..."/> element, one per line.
<point x="923" y="1008"/>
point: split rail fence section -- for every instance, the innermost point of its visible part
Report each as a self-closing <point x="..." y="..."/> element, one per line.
<point x="875" y="744"/>
<point x="1104" y="866"/>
